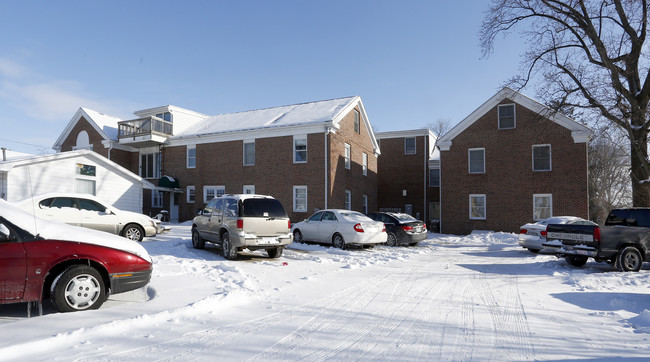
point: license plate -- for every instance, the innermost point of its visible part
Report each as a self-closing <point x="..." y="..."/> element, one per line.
<point x="268" y="241"/>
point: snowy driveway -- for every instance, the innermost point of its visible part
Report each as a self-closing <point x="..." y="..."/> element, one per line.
<point x="479" y="297"/>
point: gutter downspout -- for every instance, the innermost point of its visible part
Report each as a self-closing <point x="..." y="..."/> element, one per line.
<point x="327" y="131"/>
<point x="426" y="173"/>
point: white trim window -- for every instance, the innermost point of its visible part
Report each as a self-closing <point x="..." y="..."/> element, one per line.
<point x="150" y="164"/>
<point x="156" y="199"/>
<point x="85" y="179"/>
<point x="357" y="122"/>
<point x="249" y="153"/>
<point x="248" y="189"/>
<point x="477" y="207"/>
<point x="507" y="116"/>
<point x="348" y="200"/>
<point x="365" y="203"/>
<point x="348" y="155"/>
<point x="210" y="192"/>
<point x="410" y="146"/>
<point x="190" y="194"/>
<point x="364" y="164"/>
<point x="300" y="198"/>
<point x="300" y="149"/>
<point x="190" y="158"/>
<point x="542" y="206"/>
<point x="476" y="160"/>
<point x="542" y="158"/>
<point x="434" y="177"/>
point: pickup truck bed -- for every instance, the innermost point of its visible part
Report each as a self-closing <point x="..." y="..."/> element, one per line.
<point x="619" y="243"/>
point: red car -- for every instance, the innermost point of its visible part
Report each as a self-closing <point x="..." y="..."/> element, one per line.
<point x="76" y="268"/>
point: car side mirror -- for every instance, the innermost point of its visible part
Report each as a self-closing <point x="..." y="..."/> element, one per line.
<point x="5" y="234"/>
<point x="199" y="212"/>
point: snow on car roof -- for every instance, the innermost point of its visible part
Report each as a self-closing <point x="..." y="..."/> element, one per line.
<point x="53" y="230"/>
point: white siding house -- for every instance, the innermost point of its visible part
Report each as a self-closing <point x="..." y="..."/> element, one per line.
<point x="76" y="171"/>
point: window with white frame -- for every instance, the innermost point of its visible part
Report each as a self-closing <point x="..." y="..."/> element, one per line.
<point x="477" y="207"/>
<point x="249" y="189"/>
<point x="434" y="177"/>
<point x="190" y="194"/>
<point x="150" y="164"/>
<point x="156" y="199"/>
<point x="364" y="164"/>
<point x="300" y="198"/>
<point x="299" y="149"/>
<point x="365" y="203"/>
<point x="85" y="179"/>
<point x="476" y="160"/>
<point x="210" y="192"/>
<point x="348" y="155"/>
<point x="541" y="157"/>
<point x="348" y="200"/>
<point x="409" y="146"/>
<point x="506" y="116"/>
<point x="357" y="122"/>
<point x="191" y="156"/>
<point x="542" y="206"/>
<point x="249" y="153"/>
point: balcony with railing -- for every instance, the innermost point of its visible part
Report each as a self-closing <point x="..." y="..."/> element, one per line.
<point x="143" y="132"/>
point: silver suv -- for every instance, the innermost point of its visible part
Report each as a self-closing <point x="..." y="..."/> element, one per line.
<point x="243" y="221"/>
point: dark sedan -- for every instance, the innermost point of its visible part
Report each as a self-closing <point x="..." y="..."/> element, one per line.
<point x="402" y="229"/>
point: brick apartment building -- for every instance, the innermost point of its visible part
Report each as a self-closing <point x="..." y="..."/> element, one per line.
<point x="310" y="156"/>
<point x="509" y="162"/>
<point x="409" y="174"/>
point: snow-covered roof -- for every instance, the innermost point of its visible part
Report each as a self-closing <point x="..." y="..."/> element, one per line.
<point x="579" y="132"/>
<point x="13" y="155"/>
<point x="297" y="114"/>
<point x="104" y="124"/>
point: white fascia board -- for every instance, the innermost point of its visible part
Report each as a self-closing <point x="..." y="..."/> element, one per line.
<point x="73" y="122"/>
<point x="167" y="108"/>
<point x="347" y="109"/>
<point x="445" y="141"/>
<point x="255" y="133"/>
<point x="405" y="133"/>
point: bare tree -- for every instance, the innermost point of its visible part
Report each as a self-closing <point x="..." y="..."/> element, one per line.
<point x="439" y="127"/>
<point x="590" y="55"/>
<point x="609" y="180"/>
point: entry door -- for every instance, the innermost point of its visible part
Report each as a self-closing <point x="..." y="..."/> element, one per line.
<point x="173" y="207"/>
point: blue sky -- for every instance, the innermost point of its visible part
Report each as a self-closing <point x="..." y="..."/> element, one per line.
<point x="412" y="62"/>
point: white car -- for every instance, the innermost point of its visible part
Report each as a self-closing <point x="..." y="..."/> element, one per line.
<point x="88" y="211"/>
<point x="532" y="235"/>
<point x="340" y="228"/>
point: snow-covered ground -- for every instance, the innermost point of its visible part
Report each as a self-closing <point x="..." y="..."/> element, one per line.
<point x="478" y="297"/>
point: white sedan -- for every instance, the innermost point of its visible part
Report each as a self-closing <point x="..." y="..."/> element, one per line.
<point x="340" y="228"/>
<point x="88" y="211"/>
<point x="532" y="235"/>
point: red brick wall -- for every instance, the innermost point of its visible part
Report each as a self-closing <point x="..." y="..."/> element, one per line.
<point x="509" y="182"/>
<point x="398" y="171"/>
<point x="275" y="174"/>
<point x="94" y="138"/>
<point x="342" y="179"/>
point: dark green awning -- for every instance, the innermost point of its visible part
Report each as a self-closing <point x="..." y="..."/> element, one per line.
<point x="169" y="182"/>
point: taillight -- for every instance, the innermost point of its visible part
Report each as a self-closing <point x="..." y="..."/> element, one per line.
<point x="424" y="227"/>
<point x="358" y="228"/>
<point x="383" y="230"/>
<point x="289" y="224"/>
<point x="596" y="235"/>
<point x="240" y="224"/>
<point x="523" y="231"/>
<point x="407" y="228"/>
<point x="543" y="233"/>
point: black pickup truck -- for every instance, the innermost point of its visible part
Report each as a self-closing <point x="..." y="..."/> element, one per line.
<point x="624" y="240"/>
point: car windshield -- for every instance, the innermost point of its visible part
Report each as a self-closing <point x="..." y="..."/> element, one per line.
<point x="262" y="208"/>
<point x="354" y="216"/>
<point x="404" y="217"/>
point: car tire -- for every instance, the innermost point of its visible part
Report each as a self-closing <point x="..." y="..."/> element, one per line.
<point x="77" y="288"/>
<point x="391" y="240"/>
<point x="297" y="236"/>
<point x="197" y="241"/>
<point x="274" y="252"/>
<point x="414" y="244"/>
<point x="629" y="259"/>
<point x="576" y="260"/>
<point x="229" y="251"/>
<point x="133" y="232"/>
<point x="534" y="251"/>
<point x="338" y="241"/>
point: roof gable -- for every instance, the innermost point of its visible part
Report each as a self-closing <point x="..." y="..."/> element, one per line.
<point x="579" y="132"/>
<point x="104" y="124"/>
